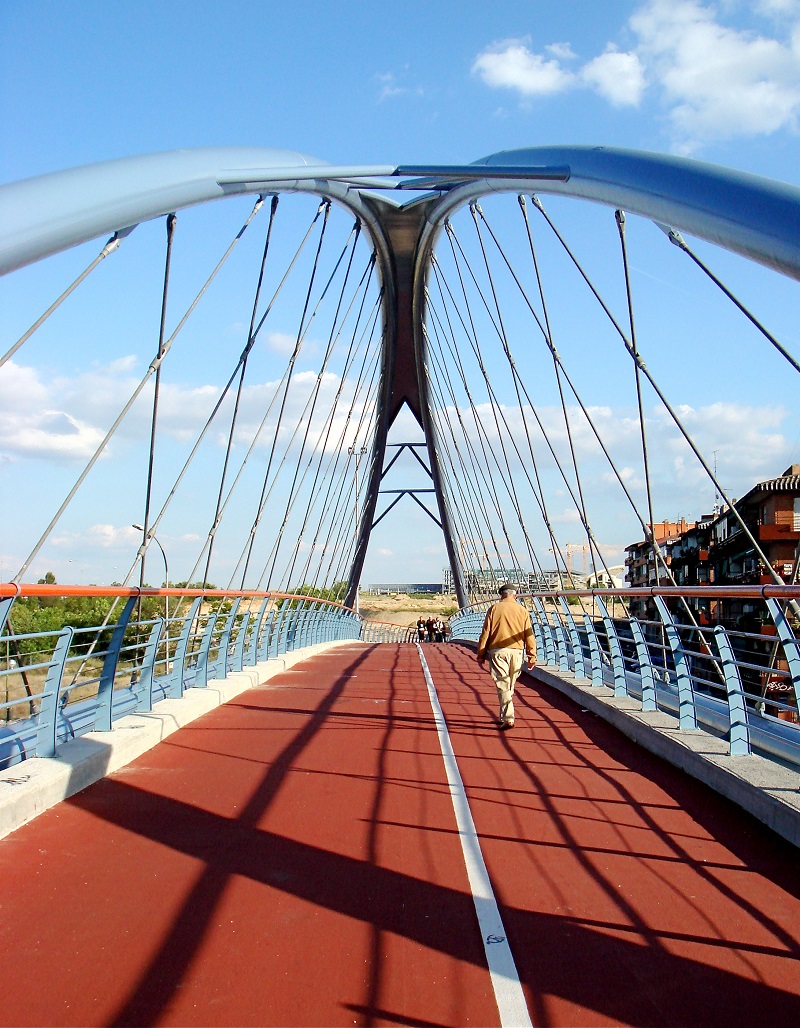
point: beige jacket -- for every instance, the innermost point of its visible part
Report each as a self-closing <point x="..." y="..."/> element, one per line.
<point x="507" y="624"/>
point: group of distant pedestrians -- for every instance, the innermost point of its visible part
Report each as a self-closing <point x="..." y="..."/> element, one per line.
<point x="432" y="630"/>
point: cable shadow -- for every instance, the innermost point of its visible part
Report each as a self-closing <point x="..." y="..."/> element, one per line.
<point x="630" y="757"/>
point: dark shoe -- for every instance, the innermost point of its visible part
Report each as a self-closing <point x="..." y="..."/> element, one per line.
<point x="506" y="724"/>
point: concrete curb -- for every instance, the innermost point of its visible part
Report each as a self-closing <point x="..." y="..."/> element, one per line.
<point x="37" y="784"/>
<point x="765" y="789"/>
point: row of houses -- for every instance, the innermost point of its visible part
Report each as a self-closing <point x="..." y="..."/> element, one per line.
<point x="719" y="549"/>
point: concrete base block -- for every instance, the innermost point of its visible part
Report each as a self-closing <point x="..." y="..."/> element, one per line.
<point x="40" y="782"/>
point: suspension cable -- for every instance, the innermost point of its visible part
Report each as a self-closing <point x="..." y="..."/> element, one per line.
<point x="242" y="372"/>
<point x="155" y="363"/>
<point x="111" y="246"/>
<point x="620" y="219"/>
<point x="678" y="240"/>
<point x="667" y="405"/>
<point x="171" y="220"/>
<point x="324" y="206"/>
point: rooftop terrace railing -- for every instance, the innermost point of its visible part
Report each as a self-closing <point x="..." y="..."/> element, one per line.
<point x="723" y="660"/>
<point x="75" y="659"/>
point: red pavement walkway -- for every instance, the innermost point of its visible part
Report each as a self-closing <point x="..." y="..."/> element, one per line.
<point x="292" y="859"/>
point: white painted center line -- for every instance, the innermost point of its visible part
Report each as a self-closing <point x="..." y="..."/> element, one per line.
<point x="503" y="971"/>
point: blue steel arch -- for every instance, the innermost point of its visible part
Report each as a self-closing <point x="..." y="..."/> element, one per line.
<point x="750" y="215"/>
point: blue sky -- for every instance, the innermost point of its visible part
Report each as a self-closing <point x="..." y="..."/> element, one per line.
<point x="363" y="83"/>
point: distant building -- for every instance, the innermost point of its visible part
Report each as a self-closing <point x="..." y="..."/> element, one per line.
<point x="640" y="562"/>
<point x="384" y="588"/>
<point x="484" y="582"/>
<point x="771" y="512"/>
<point x="613" y="578"/>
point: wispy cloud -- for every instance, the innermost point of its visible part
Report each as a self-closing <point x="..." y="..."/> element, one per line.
<point x="392" y="86"/>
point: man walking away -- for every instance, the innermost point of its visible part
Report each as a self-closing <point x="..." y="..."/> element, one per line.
<point x="507" y="633"/>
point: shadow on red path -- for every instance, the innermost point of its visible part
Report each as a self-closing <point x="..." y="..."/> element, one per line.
<point x="292" y="858"/>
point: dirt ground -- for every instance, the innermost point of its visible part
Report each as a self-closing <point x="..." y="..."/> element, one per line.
<point x="401" y="609"/>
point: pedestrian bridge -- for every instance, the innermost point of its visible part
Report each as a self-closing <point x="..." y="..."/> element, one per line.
<point x="244" y="803"/>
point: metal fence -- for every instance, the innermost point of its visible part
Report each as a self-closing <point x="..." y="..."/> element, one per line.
<point x="65" y="677"/>
<point x="737" y="677"/>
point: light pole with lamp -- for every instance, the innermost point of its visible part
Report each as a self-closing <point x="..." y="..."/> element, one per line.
<point x="152" y="535"/>
<point x="358" y="454"/>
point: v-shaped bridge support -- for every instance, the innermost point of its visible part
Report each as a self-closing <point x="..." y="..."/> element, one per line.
<point x="404" y="263"/>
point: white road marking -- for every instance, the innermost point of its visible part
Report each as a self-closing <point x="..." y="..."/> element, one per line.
<point x="505" y="978"/>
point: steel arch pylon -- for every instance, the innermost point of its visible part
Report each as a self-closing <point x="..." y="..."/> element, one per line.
<point x="403" y="378"/>
<point x="750" y="215"/>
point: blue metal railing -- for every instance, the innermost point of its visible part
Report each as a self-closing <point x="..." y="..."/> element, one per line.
<point x="60" y="682"/>
<point x="735" y="677"/>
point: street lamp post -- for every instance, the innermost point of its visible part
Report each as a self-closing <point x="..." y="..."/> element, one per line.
<point x="152" y="535"/>
<point x="358" y="454"/>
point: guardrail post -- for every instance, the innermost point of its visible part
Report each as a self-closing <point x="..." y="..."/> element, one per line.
<point x="144" y="686"/>
<point x="221" y="663"/>
<point x="200" y="680"/>
<point x="687" y="712"/>
<point x="791" y="646"/>
<point x="265" y="637"/>
<point x="276" y="628"/>
<point x="241" y="638"/>
<point x="179" y="661"/>
<point x="317" y="624"/>
<point x="575" y="640"/>
<point x="306" y="623"/>
<point x="252" y="650"/>
<point x="47" y="719"/>
<point x="737" y="708"/>
<point x="5" y="607"/>
<point x="615" y="649"/>
<point x="645" y="666"/>
<point x="594" y="651"/>
<point x="560" y="635"/>
<point x="547" y="632"/>
<point x="105" y="689"/>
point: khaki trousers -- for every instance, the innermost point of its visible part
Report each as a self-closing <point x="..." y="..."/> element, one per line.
<point x="505" y="665"/>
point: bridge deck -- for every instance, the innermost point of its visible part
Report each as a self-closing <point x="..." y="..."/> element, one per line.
<point x="293" y="858"/>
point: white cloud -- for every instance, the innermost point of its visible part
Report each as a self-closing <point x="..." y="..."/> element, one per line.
<point x="714" y="80"/>
<point x="511" y="65"/>
<point x="391" y="88"/>
<point x="717" y="82"/>
<point x="618" y="77"/>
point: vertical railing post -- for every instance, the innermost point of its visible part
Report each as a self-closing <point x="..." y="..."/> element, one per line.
<point x="615" y="649"/>
<point x="645" y="666"/>
<point x="221" y="663"/>
<point x="182" y="648"/>
<point x="241" y="641"/>
<point x="561" y="641"/>
<point x="547" y="633"/>
<point x="144" y="686"/>
<point x="6" y="603"/>
<point x="47" y="720"/>
<point x="575" y="640"/>
<point x="594" y="652"/>
<point x="687" y="711"/>
<point x="200" y="680"/>
<point x="105" y="689"/>
<point x="737" y="708"/>
<point x="252" y="650"/>
<point x="265" y="637"/>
